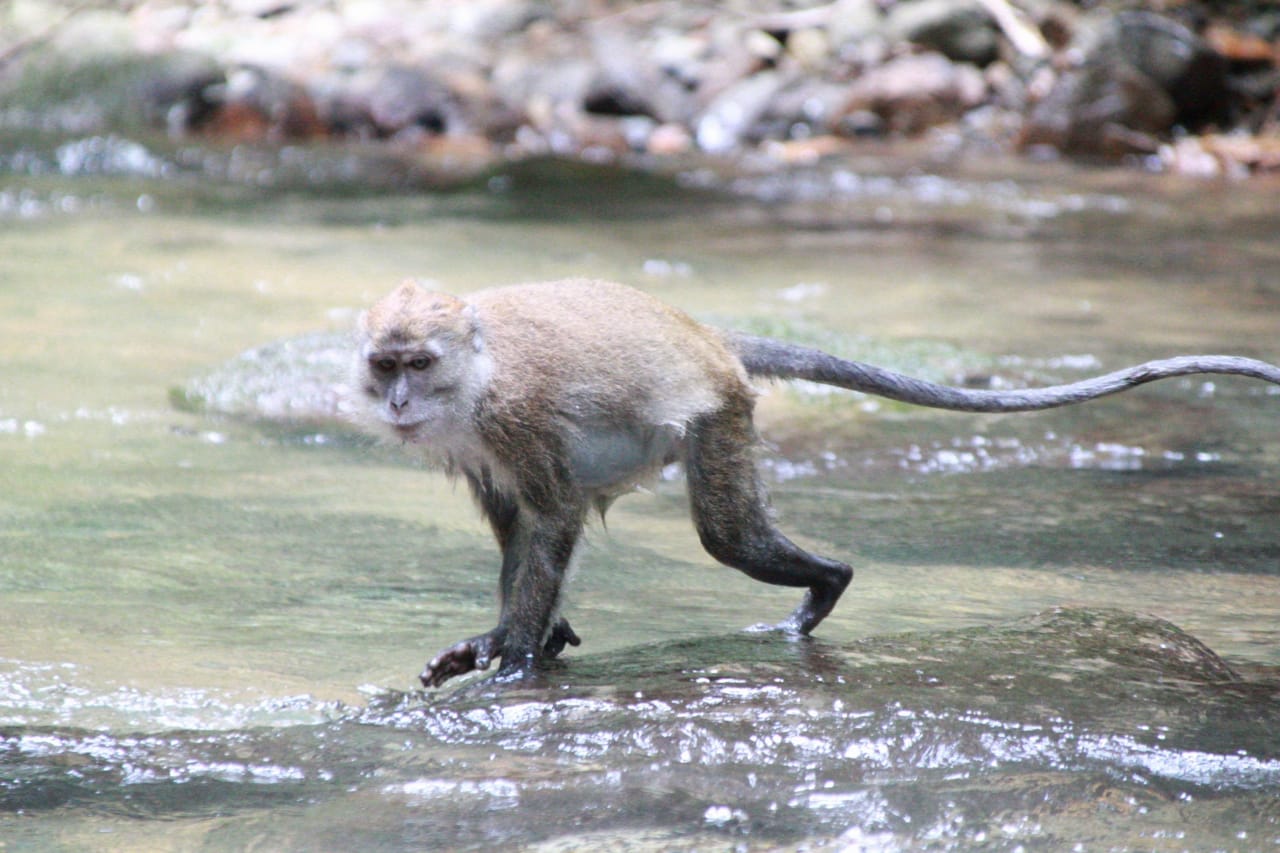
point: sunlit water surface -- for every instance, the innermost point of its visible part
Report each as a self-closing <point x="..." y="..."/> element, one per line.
<point x="209" y="621"/>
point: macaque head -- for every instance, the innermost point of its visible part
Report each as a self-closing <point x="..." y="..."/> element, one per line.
<point x="420" y="363"/>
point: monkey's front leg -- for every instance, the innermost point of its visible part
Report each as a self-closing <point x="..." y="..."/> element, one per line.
<point x="461" y="658"/>
<point x="534" y="562"/>
<point x="534" y="591"/>
<point x="479" y="652"/>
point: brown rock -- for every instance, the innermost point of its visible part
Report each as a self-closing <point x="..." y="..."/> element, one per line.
<point x="1100" y="109"/>
<point x="914" y="93"/>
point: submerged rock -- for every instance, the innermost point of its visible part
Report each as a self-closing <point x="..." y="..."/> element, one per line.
<point x="1100" y="670"/>
<point x="912" y="738"/>
<point x="295" y="381"/>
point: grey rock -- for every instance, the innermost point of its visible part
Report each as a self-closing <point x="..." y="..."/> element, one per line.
<point x="961" y="30"/>
<point x="1140" y="75"/>
<point x="733" y="114"/>
<point x="651" y="78"/>
<point x="1178" y="61"/>
<point x="384" y="101"/>
<point x="853" y="20"/>
<point x="490" y="19"/>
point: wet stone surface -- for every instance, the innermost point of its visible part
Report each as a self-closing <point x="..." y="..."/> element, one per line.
<point x="297" y="381"/>
<point x="1007" y="732"/>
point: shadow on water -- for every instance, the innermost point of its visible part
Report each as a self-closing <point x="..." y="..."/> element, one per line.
<point x="999" y="734"/>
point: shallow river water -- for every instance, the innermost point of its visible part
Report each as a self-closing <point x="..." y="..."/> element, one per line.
<point x="215" y="599"/>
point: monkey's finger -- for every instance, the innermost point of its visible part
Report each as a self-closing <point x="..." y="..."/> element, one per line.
<point x="434" y="675"/>
<point x="455" y="661"/>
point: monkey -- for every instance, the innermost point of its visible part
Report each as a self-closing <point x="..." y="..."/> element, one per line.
<point x="553" y="399"/>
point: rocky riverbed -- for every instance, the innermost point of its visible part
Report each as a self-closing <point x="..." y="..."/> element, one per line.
<point x="1187" y="86"/>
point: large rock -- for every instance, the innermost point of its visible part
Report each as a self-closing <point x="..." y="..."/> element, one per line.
<point x="387" y="100"/>
<point x="733" y="115"/>
<point x="1141" y="75"/>
<point x="1104" y="109"/>
<point x="1177" y="60"/>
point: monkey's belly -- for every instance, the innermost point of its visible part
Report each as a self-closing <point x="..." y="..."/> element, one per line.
<point x="614" y="459"/>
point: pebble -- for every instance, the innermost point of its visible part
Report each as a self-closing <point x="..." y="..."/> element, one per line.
<point x="668" y="79"/>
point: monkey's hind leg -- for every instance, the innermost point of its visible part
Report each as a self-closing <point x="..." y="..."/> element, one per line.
<point x="732" y="517"/>
<point x="561" y="635"/>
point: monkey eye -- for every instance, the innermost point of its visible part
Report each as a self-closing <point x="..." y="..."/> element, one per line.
<point x="385" y="364"/>
<point x="421" y="362"/>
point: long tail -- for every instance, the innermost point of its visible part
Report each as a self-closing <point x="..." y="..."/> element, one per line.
<point x="766" y="357"/>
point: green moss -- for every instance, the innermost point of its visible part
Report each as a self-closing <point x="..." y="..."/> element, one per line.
<point x="53" y="92"/>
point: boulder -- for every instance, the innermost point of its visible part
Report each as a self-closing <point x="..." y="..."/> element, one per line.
<point x="1140" y="75"/>
<point x="1104" y="109"/>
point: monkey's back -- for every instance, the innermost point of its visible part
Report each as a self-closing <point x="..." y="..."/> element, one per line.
<point x="599" y="343"/>
<point x="618" y="370"/>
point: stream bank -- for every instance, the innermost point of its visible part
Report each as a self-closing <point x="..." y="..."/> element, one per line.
<point x="457" y="87"/>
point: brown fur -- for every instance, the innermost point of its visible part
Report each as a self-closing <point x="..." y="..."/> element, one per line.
<point x="556" y="397"/>
<point x="412" y="314"/>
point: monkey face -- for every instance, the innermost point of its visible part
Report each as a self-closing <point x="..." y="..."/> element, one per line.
<point x="417" y="389"/>
<point x="420" y="366"/>
<point x="400" y="384"/>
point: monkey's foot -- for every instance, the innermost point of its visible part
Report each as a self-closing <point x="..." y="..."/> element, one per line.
<point x="461" y="658"/>
<point x="561" y="635"/>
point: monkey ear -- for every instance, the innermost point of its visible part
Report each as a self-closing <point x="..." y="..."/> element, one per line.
<point x="473" y="322"/>
<point x="407" y="291"/>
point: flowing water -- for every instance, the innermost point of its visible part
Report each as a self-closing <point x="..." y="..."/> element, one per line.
<point x="215" y="599"/>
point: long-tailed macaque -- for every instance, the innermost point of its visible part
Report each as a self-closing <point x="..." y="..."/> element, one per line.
<point x="553" y="399"/>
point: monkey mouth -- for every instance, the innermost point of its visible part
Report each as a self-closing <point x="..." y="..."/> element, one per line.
<point x="406" y="432"/>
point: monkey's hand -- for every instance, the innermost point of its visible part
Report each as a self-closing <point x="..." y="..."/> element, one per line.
<point x="461" y="658"/>
<point x="561" y="635"/>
